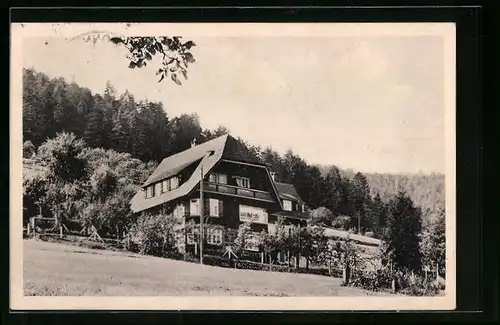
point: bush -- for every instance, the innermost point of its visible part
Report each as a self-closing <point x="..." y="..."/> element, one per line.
<point x="341" y="222"/>
<point x="427" y="289"/>
<point x="369" y="234"/>
<point x="405" y="282"/>
<point x="154" y="235"/>
<point x="29" y="149"/>
<point x="373" y="279"/>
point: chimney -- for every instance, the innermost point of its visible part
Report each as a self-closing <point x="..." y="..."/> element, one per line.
<point x="273" y="176"/>
<point x="193" y="143"/>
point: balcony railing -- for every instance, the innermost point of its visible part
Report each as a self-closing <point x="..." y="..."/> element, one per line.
<point x="239" y="191"/>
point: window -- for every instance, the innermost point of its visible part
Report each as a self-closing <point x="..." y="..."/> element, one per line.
<point x="254" y="214"/>
<point x="179" y="210"/>
<point x="222" y="179"/>
<point x="193" y="235"/>
<point x="169" y="184"/>
<point x="287" y="205"/>
<point x="165" y="185"/>
<point x="214" y="236"/>
<point x="174" y="183"/>
<point x="150" y="191"/>
<point x="214" y="207"/>
<point x="271" y="228"/>
<point x="218" y="178"/>
<point x="242" y="181"/>
<point x="194" y="207"/>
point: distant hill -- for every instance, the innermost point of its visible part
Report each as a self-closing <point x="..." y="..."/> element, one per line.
<point x="426" y="190"/>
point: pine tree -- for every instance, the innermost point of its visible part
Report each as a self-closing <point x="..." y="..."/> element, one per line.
<point x="275" y="163"/>
<point x="94" y="134"/>
<point x="403" y="233"/>
<point x="347" y="200"/>
<point x="333" y="190"/>
<point x="379" y="212"/>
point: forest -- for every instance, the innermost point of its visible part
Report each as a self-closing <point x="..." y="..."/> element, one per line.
<point x="144" y="131"/>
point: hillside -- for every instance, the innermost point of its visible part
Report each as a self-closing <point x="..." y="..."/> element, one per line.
<point x="426" y="190"/>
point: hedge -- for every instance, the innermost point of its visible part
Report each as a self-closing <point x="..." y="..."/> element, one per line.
<point x="249" y="265"/>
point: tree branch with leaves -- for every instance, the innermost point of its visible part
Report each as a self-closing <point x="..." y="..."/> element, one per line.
<point x="174" y="54"/>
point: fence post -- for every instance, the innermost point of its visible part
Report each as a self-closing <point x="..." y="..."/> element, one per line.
<point x="60" y="232"/>
<point x="28" y="231"/>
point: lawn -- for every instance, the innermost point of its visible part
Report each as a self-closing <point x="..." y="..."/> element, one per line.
<point x="63" y="270"/>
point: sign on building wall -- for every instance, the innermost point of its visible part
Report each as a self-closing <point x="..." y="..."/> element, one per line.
<point x="254" y="214"/>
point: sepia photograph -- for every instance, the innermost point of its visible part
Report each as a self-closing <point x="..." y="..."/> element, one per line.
<point x="233" y="166"/>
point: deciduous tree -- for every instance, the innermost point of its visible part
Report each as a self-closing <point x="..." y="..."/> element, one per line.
<point x="175" y="54"/>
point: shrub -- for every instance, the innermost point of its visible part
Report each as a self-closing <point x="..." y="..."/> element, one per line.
<point x="154" y="235"/>
<point x="29" y="149"/>
<point x="381" y="278"/>
<point x="369" y="234"/>
<point x="341" y="222"/>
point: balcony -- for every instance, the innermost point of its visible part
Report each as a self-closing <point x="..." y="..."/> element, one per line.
<point x="238" y="191"/>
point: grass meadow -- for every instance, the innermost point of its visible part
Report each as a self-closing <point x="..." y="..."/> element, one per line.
<point x="54" y="269"/>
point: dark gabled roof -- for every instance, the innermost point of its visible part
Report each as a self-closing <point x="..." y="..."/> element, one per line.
<point x="175" y="163"/>
<point x="229" y="148"/>
<point x="235" y="150"/>
<point x="287" y="192"/>
<point x="223" y="147"/>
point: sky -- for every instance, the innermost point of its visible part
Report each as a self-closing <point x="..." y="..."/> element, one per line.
<point x="371" y="104"/>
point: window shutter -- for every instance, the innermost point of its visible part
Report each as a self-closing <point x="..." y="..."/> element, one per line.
<point x="221" y="211"/>
<point x="206" y="207"/>
<point x="194" y="207"/>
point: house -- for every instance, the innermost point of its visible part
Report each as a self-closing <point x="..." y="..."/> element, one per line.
<point x="237" y="187"/>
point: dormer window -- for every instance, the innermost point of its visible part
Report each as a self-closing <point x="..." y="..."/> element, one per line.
<point x="287" y="205"/>
<point x="165" y="185"/>
<point x="169" y="184"/>
<point x="217" y="178"/>
<point x="174" y="183"/>
<point x="150" y="191"/>
<point x="242" y="181"/>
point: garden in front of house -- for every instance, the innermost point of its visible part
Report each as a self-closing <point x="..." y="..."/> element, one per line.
<point x="57" y="269"/>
